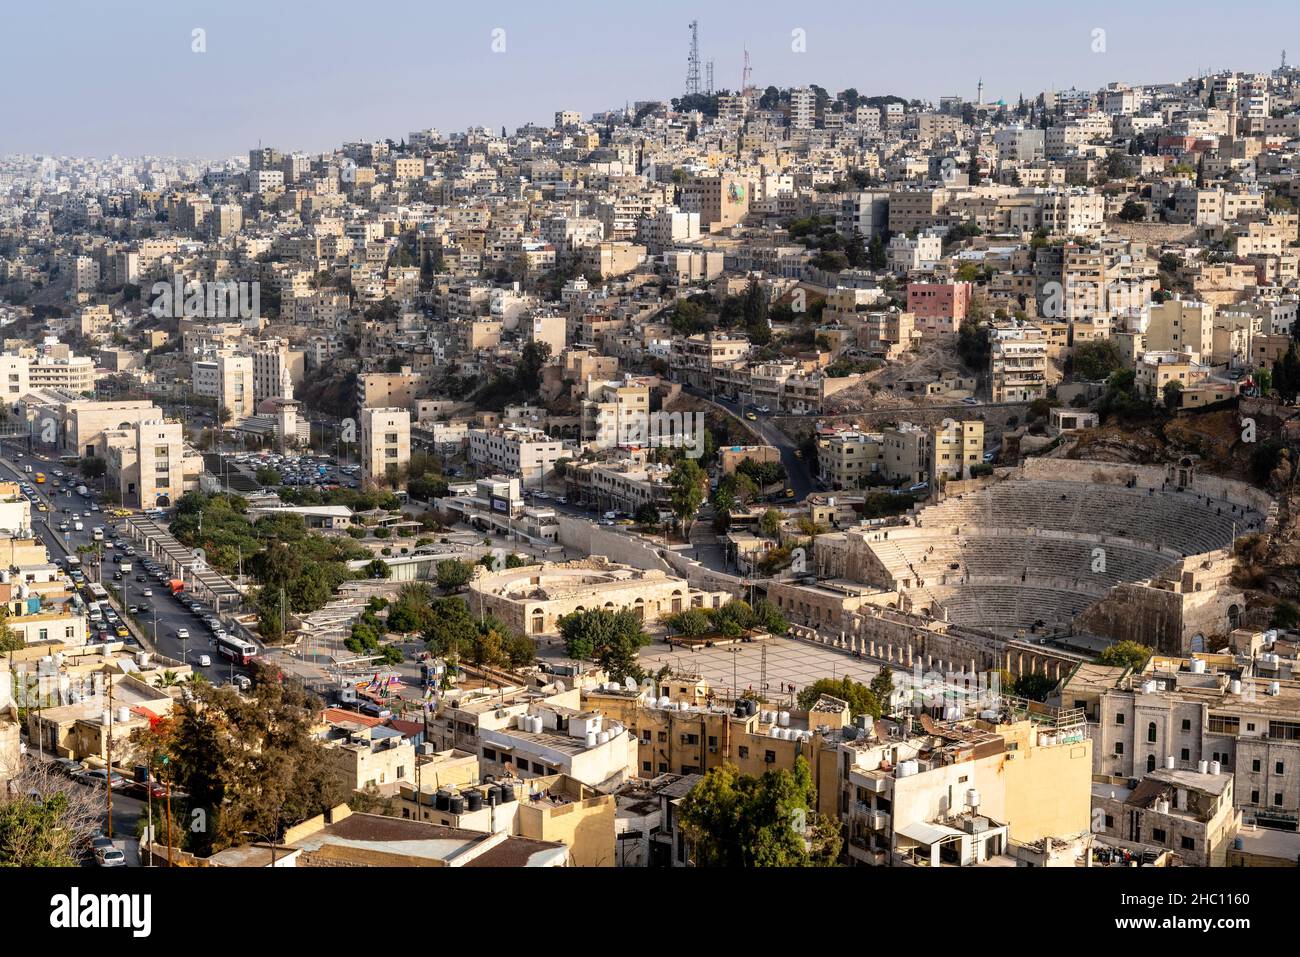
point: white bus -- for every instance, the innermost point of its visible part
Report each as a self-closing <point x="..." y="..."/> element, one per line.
<point x="236" y="649"/>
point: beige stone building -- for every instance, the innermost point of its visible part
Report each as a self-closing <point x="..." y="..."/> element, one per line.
<point x="532" y="600"/>
<point x="385" y="440"/>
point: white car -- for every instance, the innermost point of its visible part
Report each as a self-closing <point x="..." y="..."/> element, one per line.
<point x="147" y="593"/>
<point x="183" y="634"/>
<point x="205" y="661"/>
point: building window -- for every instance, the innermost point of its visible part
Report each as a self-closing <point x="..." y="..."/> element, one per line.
<point x="1151" y="733"/>
<point x="1119" y="747"/>
<point x="1158" y="835"/>
<point x="1185" y="755"/>
<point x="1119" y="719"/>
<point x="1189" y="843"/>
<point x="1254" y="766"/>
<point x="1187" y="724"/>
<point x="1254" y="797"/>
<point x="744" y="751"/>
<point x="489" y="754"/>
<point x="1277" y="768"/>
<point x="769" y="757"/>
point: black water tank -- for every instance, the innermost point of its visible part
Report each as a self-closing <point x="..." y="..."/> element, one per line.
<point x="474" y="800"/>
<point x="457" y="805"/>
<point x="442" y="800"/>
<point x="494" y="795"/>
<point x="507" y="793"/>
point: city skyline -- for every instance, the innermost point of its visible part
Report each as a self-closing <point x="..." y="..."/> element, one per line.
<point x="257" y="80"/>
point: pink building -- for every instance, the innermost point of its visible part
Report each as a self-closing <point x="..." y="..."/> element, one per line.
<point x="938" y="306"/>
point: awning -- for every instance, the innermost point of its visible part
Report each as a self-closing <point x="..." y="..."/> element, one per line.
<point x="928" y="834"/>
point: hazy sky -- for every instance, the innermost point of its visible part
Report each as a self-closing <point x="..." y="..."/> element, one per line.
<point x="96" y="77"/>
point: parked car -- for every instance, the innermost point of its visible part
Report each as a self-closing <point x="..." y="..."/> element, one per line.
<point x="143" y="790"/>
<point x="96" y="778"/>
<point x="110" y="857"/>
<point x="68" y="766"/>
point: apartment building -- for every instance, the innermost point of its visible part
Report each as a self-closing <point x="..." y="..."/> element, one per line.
<point x="849" y="459"/>
<point x="1239" y="709"/>
<point x="277" y="369"/>
<point x="70" y="373"/>
<point x="1182" y="325"/>
<point x="1017" y="362"/>
<point x="227" y="379"/>
<point x="721" y="200"/>
<point x="529" y="454"/>
<point x="385" y="441"/>
<point x="955" y="448"/>
<point x="964" y="793"/>
<point x="938" y="307"/>
<point x="14" y="379"/>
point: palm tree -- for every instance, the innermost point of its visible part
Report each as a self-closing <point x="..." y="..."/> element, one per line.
<point x="168" y="679"/>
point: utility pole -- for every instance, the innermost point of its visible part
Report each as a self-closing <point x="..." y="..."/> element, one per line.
<point x="108" y="775"/>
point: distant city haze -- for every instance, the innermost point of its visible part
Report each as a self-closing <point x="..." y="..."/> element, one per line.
<point x="98" y="77"/>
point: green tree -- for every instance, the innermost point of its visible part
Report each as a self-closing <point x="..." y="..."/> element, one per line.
<point x="611" y="638"/>
<point x="248" y="762"/>
<point x="741" y="820"/>
<point x="882" y="685"/>
<point x="1172" y="395"/>
<point x="453" y="574"/>
<point x="770" y="523"/>
<point x="688" y="482"/>
<point x="1096" y="360"/>
<point x="1126" y="654"/>
<point x="860" y="698"/>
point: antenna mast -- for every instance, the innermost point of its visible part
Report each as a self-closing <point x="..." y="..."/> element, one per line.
<point x="693" y="61"/>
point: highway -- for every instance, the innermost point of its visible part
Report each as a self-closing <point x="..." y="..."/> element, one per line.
<point x="161" y="615"/>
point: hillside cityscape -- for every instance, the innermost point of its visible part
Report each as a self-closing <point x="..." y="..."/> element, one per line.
<point x="758" y="477"/>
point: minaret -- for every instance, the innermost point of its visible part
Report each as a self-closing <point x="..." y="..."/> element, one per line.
<point x="979" y="93"/>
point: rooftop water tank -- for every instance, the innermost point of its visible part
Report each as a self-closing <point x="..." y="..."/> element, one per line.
<point x="507" y="792"/>
<point x="908" y="768"/>
<point x="1169" y="762"/>
<point x="124" y="714"/>
<point x="591" y="739"/>
<point x="1275" y="688"/>
<point x="1198" y="666"/>
<point x="783" y="719"/>
<point x="1215" y="767"/>
<point x="474" y="800"/>
<point x="602" y="737"/>
<point x="972" y="798"/>
<point x="1235" y="686"/>
<point x="1203" y="767"/>
<point x="494" y="795"/>
<point x="442" y="800"/>
<point x="457" y="804"/>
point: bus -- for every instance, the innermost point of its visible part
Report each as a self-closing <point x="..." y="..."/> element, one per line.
<point x="97" y="592"/>
<point x="236" y="649"/>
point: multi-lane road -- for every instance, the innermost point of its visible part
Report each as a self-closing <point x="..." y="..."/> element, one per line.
<point x="161" y="615"/>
